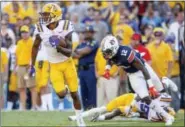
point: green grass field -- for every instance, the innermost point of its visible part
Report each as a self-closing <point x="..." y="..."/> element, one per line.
<point x="59" y="119"/>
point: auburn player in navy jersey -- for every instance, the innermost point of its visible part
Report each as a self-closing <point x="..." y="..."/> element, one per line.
<point x="143" y="79"/>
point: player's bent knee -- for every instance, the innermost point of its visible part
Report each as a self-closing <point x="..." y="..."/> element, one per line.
<point x="61" y="94"/>
<point x="146" y="100"/>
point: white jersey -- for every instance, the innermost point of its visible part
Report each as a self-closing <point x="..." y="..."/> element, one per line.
<point x="164" y="101"/>
<point x="42" y="54"/>
<point x="64" y="28"/>
<point x="12" y="56"/>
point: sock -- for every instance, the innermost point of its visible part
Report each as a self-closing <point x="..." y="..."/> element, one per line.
<point x="9" y="105"/>
<point x="21" y="107"/>
<point x="78" y="112"/>
<point x="102" y="117"/>
<point x="93" y="111"/>
<point x="79" y="119"/>
<point x="156" y="107"/>
<point x="44" y="102"/>
<point x="50" y="101"/>
<point x="61" y="105"/>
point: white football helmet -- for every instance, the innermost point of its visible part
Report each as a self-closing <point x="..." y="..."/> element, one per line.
<point x="109" y="46"/>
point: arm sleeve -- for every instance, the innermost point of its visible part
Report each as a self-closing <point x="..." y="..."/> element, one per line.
<point x="93" y="45"/>
<point x="131" y="56"/>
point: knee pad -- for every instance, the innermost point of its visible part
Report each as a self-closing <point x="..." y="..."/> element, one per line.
<point x="146" y="100"/>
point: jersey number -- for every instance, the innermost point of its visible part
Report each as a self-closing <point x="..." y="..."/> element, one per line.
<point x="54" y="40"/>
<point x="145" y="108"/>
<point x="124" y="52"/>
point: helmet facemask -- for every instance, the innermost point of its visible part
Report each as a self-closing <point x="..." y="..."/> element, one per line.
<point x="109" y="46"/>
<point x="108" y="53"/>
<point x="46" y="18"/>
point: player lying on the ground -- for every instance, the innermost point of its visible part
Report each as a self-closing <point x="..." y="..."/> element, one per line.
<point x="143" y="79"/>
<point x="129" y="105"/>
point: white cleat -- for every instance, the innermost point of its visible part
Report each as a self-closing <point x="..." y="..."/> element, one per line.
<point x="169" y="121"/>
<point x="169" y="84"/>
<point x="80" y="122"/>
<point x="71" y="118"/>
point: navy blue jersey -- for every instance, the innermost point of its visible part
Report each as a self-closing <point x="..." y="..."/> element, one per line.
<point x="125" y="57"/>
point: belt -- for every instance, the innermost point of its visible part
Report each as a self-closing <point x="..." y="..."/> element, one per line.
<point x="174" y="76"/>
<point x="85" y="67"/>
<point x="24" y="65"/>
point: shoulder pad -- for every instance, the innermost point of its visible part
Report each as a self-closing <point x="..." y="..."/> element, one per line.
<point x="39" y="27"/>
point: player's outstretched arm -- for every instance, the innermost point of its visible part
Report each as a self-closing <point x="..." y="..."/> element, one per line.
<point x="35" y="48"/>
<point x="67" y="51"/>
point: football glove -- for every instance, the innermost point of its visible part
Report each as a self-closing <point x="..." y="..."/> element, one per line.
<point x="153" y="92"/>
<point x="107" y="74"/>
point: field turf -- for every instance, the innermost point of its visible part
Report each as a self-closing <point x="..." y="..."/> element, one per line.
<point x="60" y="119"/>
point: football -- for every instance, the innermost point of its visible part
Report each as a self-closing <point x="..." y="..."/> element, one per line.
<point x="57" y="40"/>
<point x="62" y="42"/>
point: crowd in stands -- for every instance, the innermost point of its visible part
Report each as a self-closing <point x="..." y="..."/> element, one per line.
<point x="136" y="23"/>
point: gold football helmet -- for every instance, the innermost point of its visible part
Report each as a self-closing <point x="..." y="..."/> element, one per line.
<point x="51" y="12"/>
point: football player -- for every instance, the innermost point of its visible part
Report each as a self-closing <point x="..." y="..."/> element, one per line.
<point x="129" y="105"/>
<point x="120" y="104"/>
<point x="143" y="79"/>
<point x="141" y="110"/>
<point x="42" y="79"/>
<point x="55" y="36"/>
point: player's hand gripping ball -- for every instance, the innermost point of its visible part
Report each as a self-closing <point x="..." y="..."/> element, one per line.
<point x="56" y="40"/>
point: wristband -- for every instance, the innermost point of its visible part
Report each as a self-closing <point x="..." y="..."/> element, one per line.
<point x="149" y="82"/>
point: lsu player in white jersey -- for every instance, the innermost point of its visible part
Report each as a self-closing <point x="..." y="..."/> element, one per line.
<point x="42" y="79"/>
<point x="49" y="31"/>
<point x="164" y="101"/>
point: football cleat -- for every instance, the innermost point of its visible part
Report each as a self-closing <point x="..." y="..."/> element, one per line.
<point x="169" y="121"/>
<point x="71" y="118"/>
